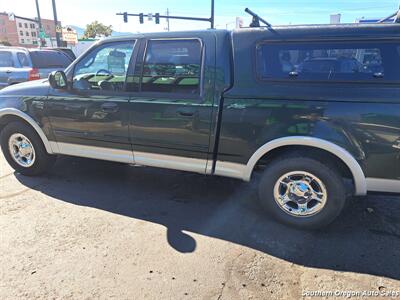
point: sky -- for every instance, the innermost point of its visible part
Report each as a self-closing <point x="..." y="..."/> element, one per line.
<point x="82" y="12"/>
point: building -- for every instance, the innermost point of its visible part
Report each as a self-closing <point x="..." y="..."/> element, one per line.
<point x="8" y="29"/>
<point x="27" y="30"/>
<point x="335" y="18"/>
<point x="24" y="32"/>
<point x="49" y="27"/>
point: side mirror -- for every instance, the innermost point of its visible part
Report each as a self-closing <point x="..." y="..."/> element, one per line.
<point x="58" y="80"/>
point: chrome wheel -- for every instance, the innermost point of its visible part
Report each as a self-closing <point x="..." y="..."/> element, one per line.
<point x="21" y="150"/>
<point x="300" y="194"/>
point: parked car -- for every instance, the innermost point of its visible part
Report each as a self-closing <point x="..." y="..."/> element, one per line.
<point x="22" y="64"/>
<point x="66" y="51"/>
<point x="225" y="103"/>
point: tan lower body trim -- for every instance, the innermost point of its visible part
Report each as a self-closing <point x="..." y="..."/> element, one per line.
<point x="229" y="169"/>
<point x="117" y="155"/>
<point x="202" y="166"/>
<point x="172" y="162"/>
<point x="140" y="158"/>
<point x="383" y="185"/>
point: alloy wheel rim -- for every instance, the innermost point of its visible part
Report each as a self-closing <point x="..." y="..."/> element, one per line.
<point x="300" y="194"/>
<point x="21" y="150"/>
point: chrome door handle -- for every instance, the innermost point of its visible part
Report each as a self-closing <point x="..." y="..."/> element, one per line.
<point x="186" y="112"/>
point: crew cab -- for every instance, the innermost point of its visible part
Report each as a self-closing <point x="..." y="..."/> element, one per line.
<point x="315" y="110"/>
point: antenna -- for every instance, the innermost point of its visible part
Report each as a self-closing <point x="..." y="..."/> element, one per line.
<point x="256" y="19"/>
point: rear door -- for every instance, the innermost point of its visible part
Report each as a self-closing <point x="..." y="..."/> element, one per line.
<point x="172" y="103"/>
<point x="7" y="67"/>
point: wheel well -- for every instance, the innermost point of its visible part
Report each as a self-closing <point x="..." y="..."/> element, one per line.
<point x="11" y="118"/>
<point x="321" y="155"/>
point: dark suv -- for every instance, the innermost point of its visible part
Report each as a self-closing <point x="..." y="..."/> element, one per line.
<point x="314" y="109"/>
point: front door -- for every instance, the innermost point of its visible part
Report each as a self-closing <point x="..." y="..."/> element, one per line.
<point x="172" y="110"/>
<point x="91" y="119"/>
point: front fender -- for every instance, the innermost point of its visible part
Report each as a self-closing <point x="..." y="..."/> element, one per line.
<point x="18" y="113"/>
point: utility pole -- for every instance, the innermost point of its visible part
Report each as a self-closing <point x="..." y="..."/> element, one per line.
<point x="38" y="14"/>
<point x="212" y="14"/>
<point x="168" y="19"/>
<point x="42" y="42"/>
<point x="56" y="23"/>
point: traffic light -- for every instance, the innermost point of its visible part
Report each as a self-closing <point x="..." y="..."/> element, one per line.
<point x="125" y="17"/>
<point x="157" y="17"/>
<point x="141" y="19"/>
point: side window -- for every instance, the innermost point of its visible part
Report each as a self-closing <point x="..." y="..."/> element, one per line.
<point x="104" y="68"/>
<point x="172" y="66"/>
<point x="6" y="59"/>
<point x="23" y="59"/>
<point x="334" y="61"/>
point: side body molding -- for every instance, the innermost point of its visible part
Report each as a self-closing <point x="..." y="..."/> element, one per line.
<point x="239" y="170"/>
<point x="344" y="155"/>
<point x="32" y="122"/>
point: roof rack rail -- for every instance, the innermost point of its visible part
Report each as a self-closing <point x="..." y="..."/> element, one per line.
<point x="257" y="19"/>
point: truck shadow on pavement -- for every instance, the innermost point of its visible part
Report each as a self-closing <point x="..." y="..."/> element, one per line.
<point x="364" y="239"/>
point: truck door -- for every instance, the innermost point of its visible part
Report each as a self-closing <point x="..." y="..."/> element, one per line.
<point x="92" y="118"/>
<point x="172" y="107"/>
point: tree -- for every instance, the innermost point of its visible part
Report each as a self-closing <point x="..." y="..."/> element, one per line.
<point x="96" y="29"/>
<point x="5" y="43"/>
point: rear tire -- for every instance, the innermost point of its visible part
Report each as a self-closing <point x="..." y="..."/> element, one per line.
<point x="302" y="192"/>
<point x="24" y="149"/>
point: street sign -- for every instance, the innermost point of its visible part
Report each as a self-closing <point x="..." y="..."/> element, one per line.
<point x="42" y="34"/>
<point x="58" y="29"/>
<point x="150" y="17"/>
<point x="70" y="36"/>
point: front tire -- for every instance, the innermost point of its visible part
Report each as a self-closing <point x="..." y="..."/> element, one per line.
<point x="24" y="150"/>
<point x="302" y="192"/>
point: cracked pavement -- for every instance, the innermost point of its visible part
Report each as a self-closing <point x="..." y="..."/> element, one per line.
<point x="93" y="229"/>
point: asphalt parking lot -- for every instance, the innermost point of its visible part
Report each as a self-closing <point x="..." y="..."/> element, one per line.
<point x="93" y="229"/>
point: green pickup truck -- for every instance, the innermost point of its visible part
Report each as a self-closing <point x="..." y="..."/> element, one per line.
<point x="315" y="110"/>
